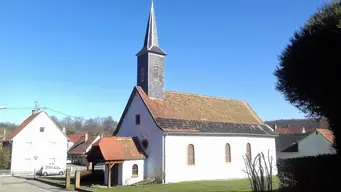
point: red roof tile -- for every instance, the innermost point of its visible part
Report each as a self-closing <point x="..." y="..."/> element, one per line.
<point x="117" y="149"/>
<point x="188" y="106"/>
<point x="21" y="126"/>
<point x="74" y="138"/>
<point x="295" y="130"/>
<point x="328" y="134"/>
<point x="185" y="112"/>
<point x="79" y="148"/>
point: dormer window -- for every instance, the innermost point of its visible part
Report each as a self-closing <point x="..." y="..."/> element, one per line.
<point x="137" y="119"/>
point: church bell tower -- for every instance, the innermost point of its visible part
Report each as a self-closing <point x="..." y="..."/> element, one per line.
<point x="151" y="62"/>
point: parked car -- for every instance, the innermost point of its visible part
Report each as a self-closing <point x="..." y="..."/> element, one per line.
<point x="50" y="170"/>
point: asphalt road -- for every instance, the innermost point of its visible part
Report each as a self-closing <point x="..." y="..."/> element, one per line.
<point x="9" y="183"/>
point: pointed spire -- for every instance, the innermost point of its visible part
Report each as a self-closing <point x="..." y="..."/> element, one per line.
<point x="151" y="40"/>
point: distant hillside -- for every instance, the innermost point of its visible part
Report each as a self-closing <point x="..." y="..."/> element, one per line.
<point x="297" y="123"/>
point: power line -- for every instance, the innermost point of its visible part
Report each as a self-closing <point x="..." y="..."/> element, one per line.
<point x="18" y="108"/>
<point x="46" y="108"/>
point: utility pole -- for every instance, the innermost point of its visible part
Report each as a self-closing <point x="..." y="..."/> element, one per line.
<point x="36" y="106"/>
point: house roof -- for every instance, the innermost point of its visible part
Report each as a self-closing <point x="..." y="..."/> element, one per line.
<point x="184" y="112"/>
<point x="22" y="126"/>
<point x="74" y="138"/>
<point x="80" y="146"/>
<point x="295" y="130"/>
<point x="328" y="134"/>
<point x="284" y="141"/>
<point x="116" y="149"/>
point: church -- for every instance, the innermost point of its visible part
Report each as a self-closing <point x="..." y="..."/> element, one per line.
<point x="172" y="136"/>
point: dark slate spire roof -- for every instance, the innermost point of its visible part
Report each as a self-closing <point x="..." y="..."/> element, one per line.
<point x="151" y="40"/>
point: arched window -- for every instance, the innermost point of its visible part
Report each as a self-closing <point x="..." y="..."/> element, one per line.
<point x="191" y="156"/>
<point x="248" y="151"/>
<point x="227" y="152"/>
<point x="135" y="170"/>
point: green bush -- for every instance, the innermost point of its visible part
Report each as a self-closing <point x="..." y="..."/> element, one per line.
<point x="318" y="173"/>
<point x="4" y="158"/>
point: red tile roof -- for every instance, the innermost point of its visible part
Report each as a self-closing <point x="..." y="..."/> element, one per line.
<point x="79" y="148"/>
<point x="328" y="134"/>
<point x="188" y="106"/>
<point x="116" y="149"/>
<point x="74" y="138"/>
<point x="295" y="130"/>
<point x="21" y="126"/>
<point x="185" y="112"/>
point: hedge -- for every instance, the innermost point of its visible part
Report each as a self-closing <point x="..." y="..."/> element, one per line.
<point x="318" y="173"/>
<point x="87" y="177"/>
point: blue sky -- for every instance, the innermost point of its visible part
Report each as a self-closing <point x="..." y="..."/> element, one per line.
<point x="78" y="56"/>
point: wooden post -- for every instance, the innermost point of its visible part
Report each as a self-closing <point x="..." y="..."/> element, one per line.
<point x="93" y="167"/>
<point x="77" y="179"/>
<point x="109" y="175"/>
<point x="89" y="166"/>
<point x="67" y="178"/>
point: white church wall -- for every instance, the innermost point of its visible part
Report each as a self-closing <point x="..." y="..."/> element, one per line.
<point x="146" y="130"/>
<point x="210" y="156"/>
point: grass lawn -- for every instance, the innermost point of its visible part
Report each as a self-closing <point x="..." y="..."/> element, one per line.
<point x="197" y="186"/>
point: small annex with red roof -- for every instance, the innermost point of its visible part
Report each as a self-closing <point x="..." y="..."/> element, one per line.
<point x="123" y="157"/>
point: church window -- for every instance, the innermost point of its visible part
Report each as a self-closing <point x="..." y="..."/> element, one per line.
<point x="227" y="152"/>
<point x="137" y="119"/>
<point x="248" y="151"/>
<point x="191" y="155"/>
<point x="135" y="170"/>
<point x="145" y="144"/>
<point x="142" y="74"/>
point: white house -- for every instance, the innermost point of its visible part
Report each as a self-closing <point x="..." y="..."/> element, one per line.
<point x="37" y="141"/>
<point x="316" y="143"/>
<point x="185" y="136"/>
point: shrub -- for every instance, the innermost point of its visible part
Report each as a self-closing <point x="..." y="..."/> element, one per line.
<point x="259" y="172"/>
<point x="4" y="158"/>
<point x="89" y="177"/>
<point x="309" y="173"/>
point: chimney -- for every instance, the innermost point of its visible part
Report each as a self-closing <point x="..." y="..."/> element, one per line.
<point x="33" y="112"/>
<point x="275" y="126"/>
<point x="85" y="137"/>
<point x="64" y="130"/>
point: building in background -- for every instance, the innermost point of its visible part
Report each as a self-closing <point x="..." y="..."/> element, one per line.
<point x="36" y="142"/>
<point x="318" y="142"/>
<point x="77" y="153"/>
